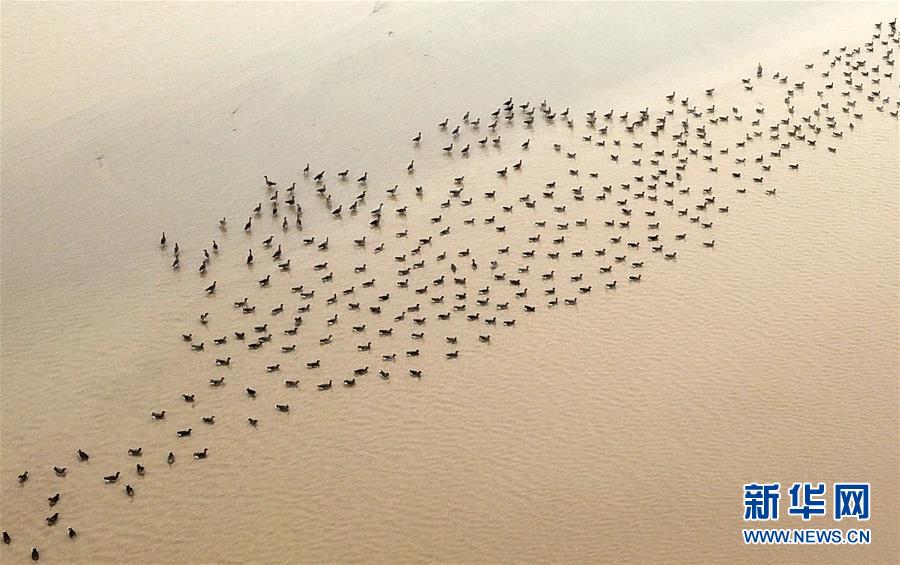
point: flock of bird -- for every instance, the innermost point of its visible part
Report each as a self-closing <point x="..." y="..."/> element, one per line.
<point x="641" y="209"/>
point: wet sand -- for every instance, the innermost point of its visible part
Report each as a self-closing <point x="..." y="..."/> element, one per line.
<point x="622" y="428"/>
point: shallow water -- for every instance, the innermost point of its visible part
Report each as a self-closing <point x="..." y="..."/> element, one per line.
<point x="621" y="428"/>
